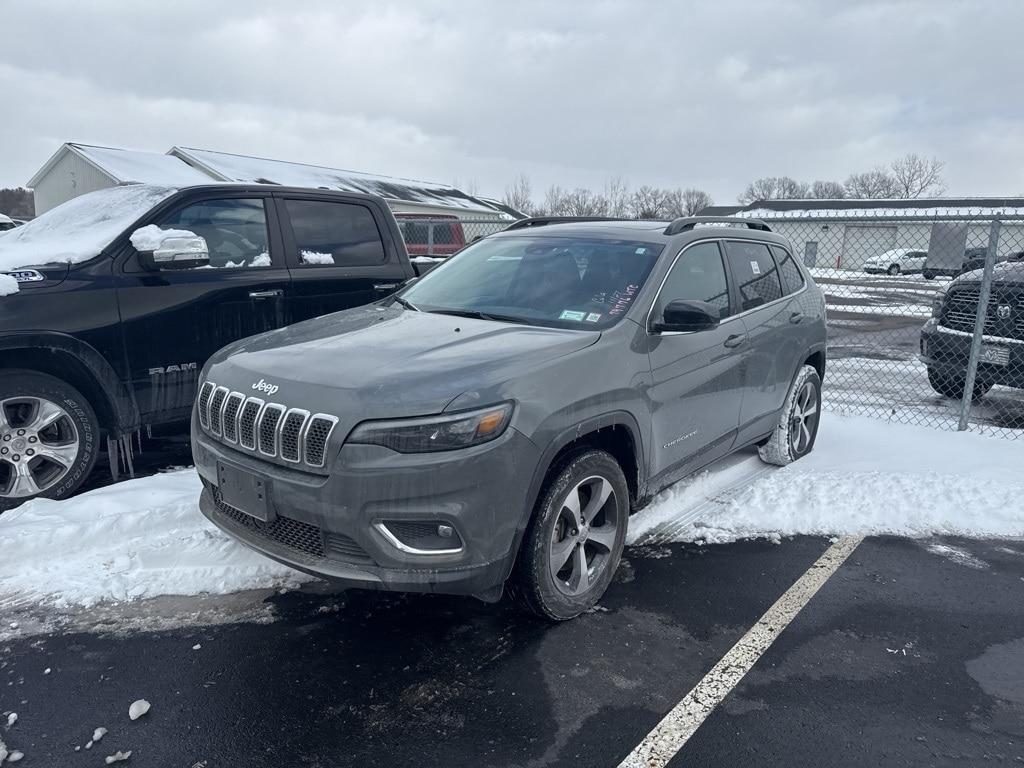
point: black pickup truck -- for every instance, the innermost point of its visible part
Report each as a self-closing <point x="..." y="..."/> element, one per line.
<point x="119" y="296"/>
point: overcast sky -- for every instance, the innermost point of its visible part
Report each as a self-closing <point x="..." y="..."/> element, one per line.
<point x="706" y="94"/>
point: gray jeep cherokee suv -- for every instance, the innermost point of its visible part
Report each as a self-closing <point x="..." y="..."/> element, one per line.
<point x="498" y="419"/>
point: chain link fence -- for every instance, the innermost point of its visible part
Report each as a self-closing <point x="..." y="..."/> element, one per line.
<point x="438" y="237"/>
<point x="923" y="307"/>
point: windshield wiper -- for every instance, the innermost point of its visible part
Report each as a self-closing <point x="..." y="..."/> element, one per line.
<point x="478" y="315"/>
<point x="406" y="304"/>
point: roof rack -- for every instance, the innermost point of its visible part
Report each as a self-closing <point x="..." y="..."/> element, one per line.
<point x="689" y="222"/>
<point x="543" y="221"/>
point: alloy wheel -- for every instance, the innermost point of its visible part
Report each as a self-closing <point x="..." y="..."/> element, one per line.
<point x="583" y="535"/>
<point x="38" y="445"/>
<point x="803" y="419"/>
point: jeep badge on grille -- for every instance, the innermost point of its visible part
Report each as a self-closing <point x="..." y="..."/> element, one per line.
<point x="265" y="386"/>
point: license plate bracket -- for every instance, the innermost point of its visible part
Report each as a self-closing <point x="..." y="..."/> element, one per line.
<point x="244" y="491"/>
<point x="994" y="354"/>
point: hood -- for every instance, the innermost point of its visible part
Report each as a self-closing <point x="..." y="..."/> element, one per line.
<point x="387" y="362"/>
<point x="1003" y="272"/>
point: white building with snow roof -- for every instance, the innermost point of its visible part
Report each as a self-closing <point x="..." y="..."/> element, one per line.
<point x="844" y="233"/>
<point x="79" y="168"/>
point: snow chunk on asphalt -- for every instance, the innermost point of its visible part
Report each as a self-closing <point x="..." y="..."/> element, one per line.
<point x="3" y="751"/>
<point x="8" y="285"/>
<point x="12" y="718"/>
<point x="117" y="757"/>
<point x="135" y="539"/>
<point x="865" y="476"/>
<point x="149" y="237"/>
<point x="138" y="709"/>
<point x="98" y="734"/>
<point x="15" y="756"/>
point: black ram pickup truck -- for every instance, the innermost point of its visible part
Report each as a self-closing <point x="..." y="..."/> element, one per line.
<point x="119" y="296"/>
<point x="946" y="338"/>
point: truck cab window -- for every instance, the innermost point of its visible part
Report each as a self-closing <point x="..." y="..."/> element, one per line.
<point x="339" y="234"/>
<point x="235" y="230"/>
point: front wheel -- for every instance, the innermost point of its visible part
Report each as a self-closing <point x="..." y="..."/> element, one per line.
<point x="894" y="269"/>
<point x="49" y="437"/>
<point x="575" y="539"/>
<point x="797" y="430"/>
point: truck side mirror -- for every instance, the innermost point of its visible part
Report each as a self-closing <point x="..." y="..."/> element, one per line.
<point x="177" y="252"/>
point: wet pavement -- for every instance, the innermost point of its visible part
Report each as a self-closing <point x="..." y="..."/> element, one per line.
<point x="912" y="654"/>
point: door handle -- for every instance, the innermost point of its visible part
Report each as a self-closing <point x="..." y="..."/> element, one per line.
<point x="384" y="286"/>
<point x="272" y="293"/>
<point x="796" y="317"/>
<point x="735" y="340"/>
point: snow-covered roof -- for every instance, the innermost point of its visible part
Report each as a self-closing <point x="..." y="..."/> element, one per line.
<point x="257" y="170"/>
<point x="79" y="229"/>
<point x="923" y="208"/>
<point x="127" y="166"/>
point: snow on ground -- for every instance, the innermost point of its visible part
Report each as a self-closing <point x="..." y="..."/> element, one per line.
<point x="135" y="539"/>
<point x="8" y="285"/>
<point x="865" y="476"/>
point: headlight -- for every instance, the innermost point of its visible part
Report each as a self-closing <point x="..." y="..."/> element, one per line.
<point x="937" y="303"/>
<point x="436" y="433"/>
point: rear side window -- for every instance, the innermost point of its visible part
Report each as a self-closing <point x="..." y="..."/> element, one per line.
<point x="789" y="272"/>
<point x="755" y="273"/>
<point x="339" y="234"/>
<point x="698" y="274"/>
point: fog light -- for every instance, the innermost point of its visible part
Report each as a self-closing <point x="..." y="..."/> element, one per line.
<point x="445" y="531"/>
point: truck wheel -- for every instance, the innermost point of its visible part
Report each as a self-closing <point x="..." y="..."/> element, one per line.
<point x="797" y="430"/>
<point x="49" y="437"/>
<point x="953" y="386"/>
<point x="575" y="539"/>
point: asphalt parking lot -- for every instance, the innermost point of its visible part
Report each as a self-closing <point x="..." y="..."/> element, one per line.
<point x="912" y="653"/>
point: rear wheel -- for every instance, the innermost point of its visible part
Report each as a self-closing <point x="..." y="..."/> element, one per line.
<point x="49" y="437"/>
<point x="797" y="430"/>
<point x="953" y="385"/>
<point x="894" y="269"/>
<point x="575" y="539"/>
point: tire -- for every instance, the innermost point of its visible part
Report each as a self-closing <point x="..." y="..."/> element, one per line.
<point x="797" y="430"/>
<point x="894" y="270"/>
<point x="63" y="451"/>
<point x="953" y="386"/>
<point x="556" y="593"/>
<point x="928" y="274"/>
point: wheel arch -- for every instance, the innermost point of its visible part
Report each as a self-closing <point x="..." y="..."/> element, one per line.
<point x="81" y="366"/>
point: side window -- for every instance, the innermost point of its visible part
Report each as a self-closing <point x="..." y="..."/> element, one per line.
<point x="342" y="234"/>
<point x="698" y="274"/>
<point x="792" y="278"/>
<point x="235" y="230"/>
<point x="755" y="273"/>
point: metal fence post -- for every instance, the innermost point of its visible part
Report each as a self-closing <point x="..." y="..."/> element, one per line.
<point x="979" y="322"/>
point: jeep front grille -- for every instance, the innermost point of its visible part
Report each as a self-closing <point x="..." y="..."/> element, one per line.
<point x="293" y="435"/>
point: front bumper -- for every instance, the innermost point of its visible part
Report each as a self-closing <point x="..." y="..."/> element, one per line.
<point x="948" y="351"/>
<point x="343" y="526"/>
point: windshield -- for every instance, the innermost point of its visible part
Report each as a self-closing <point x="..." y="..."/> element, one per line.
<point x="79" y="229"/>
<point x="561" y="282"/>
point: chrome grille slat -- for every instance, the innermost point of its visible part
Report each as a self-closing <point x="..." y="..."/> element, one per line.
<point x="292" y="435"/>
<point x="267" y="431"/>
<point x="217" y="409"/>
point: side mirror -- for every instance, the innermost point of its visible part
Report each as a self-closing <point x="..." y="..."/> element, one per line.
<point x="176" y="252"/>
<point x="687" y="316"/>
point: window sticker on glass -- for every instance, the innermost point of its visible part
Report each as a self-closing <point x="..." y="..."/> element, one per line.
<point x="640" y="251"/>
<point x="621" y="300"/>
<point x="593" y="317"/>
<point x="755" y="267"/>
<point x="568" y="314"/>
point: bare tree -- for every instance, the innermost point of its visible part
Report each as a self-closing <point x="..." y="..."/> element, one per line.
<point x="877" y="183"/>
<point x="616" y="192"/>
<point x="583" y="202"/>
<point x="774" y="188"/>
<point x="917" y="176"/>
<point x="554" y="202"/>
<point x="519" y="195"/>
<point x="827" y="190"/>
<point x="648" y="203"/>
<point x="686" y="202"/>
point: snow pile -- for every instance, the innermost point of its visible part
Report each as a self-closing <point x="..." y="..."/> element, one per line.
<point x="149" y="237"/>
<point x="315" y="257"/>
<point x="8" y="285"/>
<point x="79" y="229"/>
<point x="136" y="539"/>
<point x="865" y="476"/>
